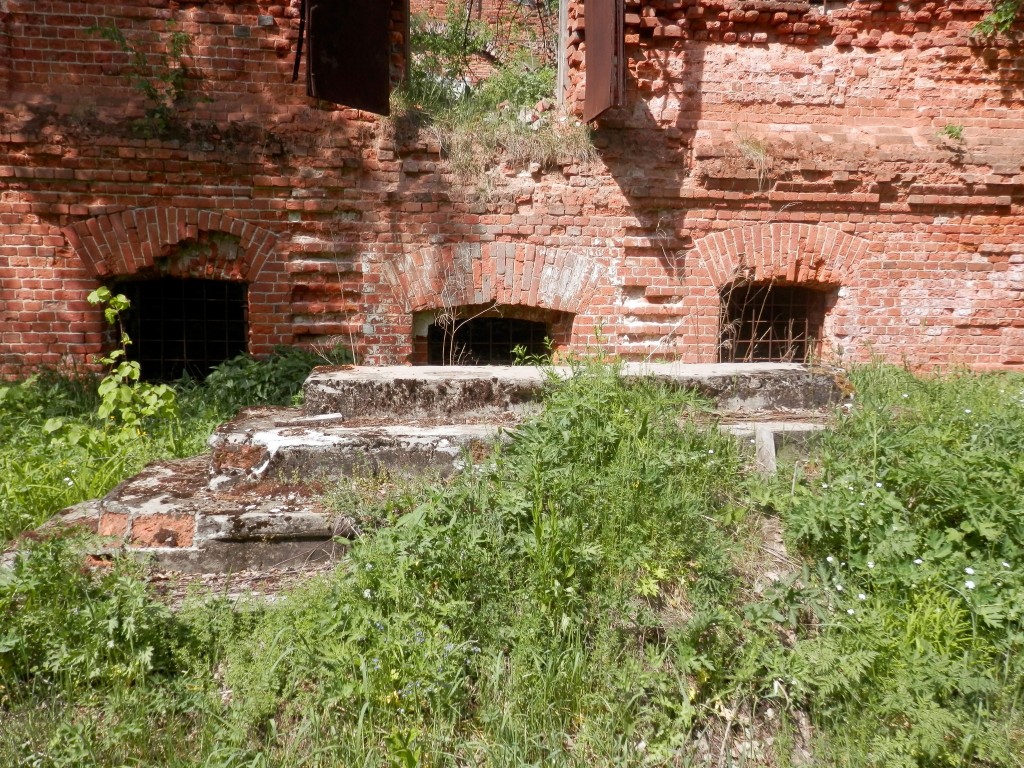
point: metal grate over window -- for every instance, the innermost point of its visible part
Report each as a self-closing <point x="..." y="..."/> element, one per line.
<point x="180" y="326"/>
<point x="764" y="322"/>
<point x="484" y="341"/>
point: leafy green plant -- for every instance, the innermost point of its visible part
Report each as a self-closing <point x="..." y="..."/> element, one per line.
<point x="952" y="131"/>
<point x="914" y="521"/>
<point x="126" y="400"/>
<point x="71" y="628"/>
<point x="162" y="79"/>
<point x="1003" y="19"/>
<point x="277" y="380"/>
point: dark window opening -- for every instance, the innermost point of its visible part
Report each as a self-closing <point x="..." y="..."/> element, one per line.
<point x="484" y="341"/>
<point x="184" y="326"/>
<point x="349" y="60"/>
<point x="765" y="322"/>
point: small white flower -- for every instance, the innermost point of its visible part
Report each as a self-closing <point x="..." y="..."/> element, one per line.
<point x="839" y="587"/>
<point x="967" y="410"/>
<point x="905" y="395"/>
<point x="710" y="451"/>
<point x="1005" y="564"/>
<point x="878" y="485"/>
<point x="824" y="485"/>
<point x="830" y="559"/>
<point x="69" y="481"/>
<point x="969" y="584"/>
<point x="367" y="594"/>
<point x="369" y="566"/>
<point x="969" y="571"/>
<point x="862" y="596"/>
<point x="860" y="503"/>
<point x="850" y="611"/>
<point x="870" y="564"/>
<point x="918" y="561"/>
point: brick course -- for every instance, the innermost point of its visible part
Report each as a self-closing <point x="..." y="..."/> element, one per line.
<point x="760" y="138"/>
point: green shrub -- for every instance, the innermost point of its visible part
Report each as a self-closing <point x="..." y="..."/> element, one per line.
<point x="70" y="628"/>
<point x="277" y="380"/>
<point x="916" y="522"/>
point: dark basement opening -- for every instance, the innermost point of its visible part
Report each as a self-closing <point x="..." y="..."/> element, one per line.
<point x="181" y="326"/>
<point x="485" y="341"/>
<point x="765" y="322"/>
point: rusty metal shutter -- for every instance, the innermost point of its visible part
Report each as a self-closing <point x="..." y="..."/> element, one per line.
<point x="605" y="61"/>
<point x="349" y="59"/>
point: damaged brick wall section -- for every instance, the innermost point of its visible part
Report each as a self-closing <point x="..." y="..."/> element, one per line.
<point x="872" y="149"/>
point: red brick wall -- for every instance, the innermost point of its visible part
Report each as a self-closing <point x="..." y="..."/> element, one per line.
<point x="757" y="138"/>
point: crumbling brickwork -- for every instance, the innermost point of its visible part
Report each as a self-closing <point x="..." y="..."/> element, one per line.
<point x="867" y="149"/>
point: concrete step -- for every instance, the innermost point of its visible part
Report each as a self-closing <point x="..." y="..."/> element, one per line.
<point x="167" y="514"/>
<point x="447" y="391"/>
<point x="774" y="439"/>
<point x="251" y="502"/>
<point x="282" y="444"/>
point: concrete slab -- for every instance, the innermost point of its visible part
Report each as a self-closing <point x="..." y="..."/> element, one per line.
<point x="261" y="445"/>
<point x="251" y="502"/>
<point x="448" y="391"/>
<point x="775" y="439"/>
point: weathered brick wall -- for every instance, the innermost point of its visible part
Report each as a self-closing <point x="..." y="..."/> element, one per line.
<point x="759" y="138"/>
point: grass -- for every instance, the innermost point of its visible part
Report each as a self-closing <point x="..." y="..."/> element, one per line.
<point x="485" y="117"/>
<point x="55" y="451"/>
<point x="593" y="595"/>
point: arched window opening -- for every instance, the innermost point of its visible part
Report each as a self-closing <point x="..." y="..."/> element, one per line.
<point x="182" y="326"/>
<point x="487" y="335"/>
<point x="765" y="322"/>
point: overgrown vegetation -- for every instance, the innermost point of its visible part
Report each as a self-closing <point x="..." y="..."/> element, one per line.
<point x="599" y="593"/>
<point x="68" y="437"/>
<point x="160" y="76"/>
<point x="487" y="97"/>
<point x="1003" y="19"/>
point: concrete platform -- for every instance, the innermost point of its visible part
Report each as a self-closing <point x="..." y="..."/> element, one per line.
<point x="448" y="391"/>
<point x="168" y="514"/>
<point x="251" y="502"/>
<point x="283" y="445"/>
<point x="773" y="439"/>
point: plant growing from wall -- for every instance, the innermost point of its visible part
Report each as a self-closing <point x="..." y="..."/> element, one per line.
<point x="952" y="131"/>
<point x="161" y="78"/>
<point x="485" y="101"/>
<point x="1002" y="19"/>
<point x="757" y="152"/>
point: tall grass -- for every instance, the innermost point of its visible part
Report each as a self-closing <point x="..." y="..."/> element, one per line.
<point x="585" y="597"/>
<point x="56" y="451"/>
<point x="916" y="519"/>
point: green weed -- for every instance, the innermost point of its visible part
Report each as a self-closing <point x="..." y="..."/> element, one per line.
<point x="915" y="521"/>
<point x="59" y="444"/>
<point x="585" y="596"/>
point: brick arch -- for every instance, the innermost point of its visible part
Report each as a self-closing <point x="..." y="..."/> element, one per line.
<point x="512" y="274"/>
<point x="786" y="251"/>
<point x="127" y="242"/>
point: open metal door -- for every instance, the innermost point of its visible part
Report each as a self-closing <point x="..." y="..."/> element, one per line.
<point x="605" y="57"/>
<point x="349" y="58"/>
